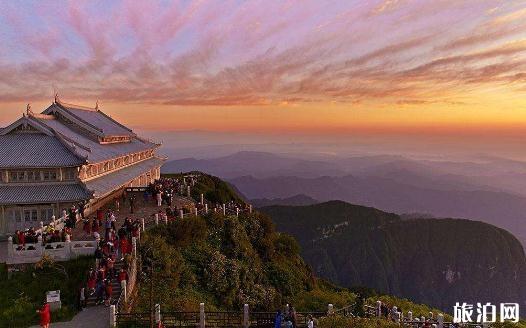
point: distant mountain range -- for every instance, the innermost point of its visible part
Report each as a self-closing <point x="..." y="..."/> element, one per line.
<point x="297" y="200"/>
<point x="489" y="189"/>
<point x="433" y="261"/>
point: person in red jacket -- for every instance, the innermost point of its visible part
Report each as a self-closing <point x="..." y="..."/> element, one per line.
<point x="123" y="275"/>
<point x="124" y="247"/>
<point x="45" y="315"/>
<point x="22" y="238"/>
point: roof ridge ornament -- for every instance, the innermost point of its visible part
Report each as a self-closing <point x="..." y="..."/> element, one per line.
<point x="57" y="100"/>
<point x="29" y="112"/>
<point x="97" y="105"/>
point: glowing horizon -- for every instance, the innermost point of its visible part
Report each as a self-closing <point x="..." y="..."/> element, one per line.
<point x="390" y="66"/>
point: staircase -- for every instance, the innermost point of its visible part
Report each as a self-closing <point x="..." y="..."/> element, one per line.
<point x="91" y="300"/>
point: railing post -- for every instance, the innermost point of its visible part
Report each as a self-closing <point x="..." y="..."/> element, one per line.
<point x="134" y="247"/>
<point x="188" y="191"/>
<point x="250" y="208"/>
<point x="237" y="211"/>
<point x="156" y="216"/>
<point x="202" y="315"/>
<point x="245" y="316"/>
<point x="40" y="249"/>
<point x="195" y="211"/>
<point x="378" y="309"/>
<point x="224" y="209"/>
<point x="165" y="219"/>
<point x="330" y="309"/>
<point x="157" y="313"/>
<point x="181" y="213"/>
<point x="202" y="199"/>
<point x="206" y="208"/>
<point x="440" y="319"/>
<point x="124" y="291"/>
<point x="410" y="316"/>
<point x="143" y="225"/>
<point x="10" y="247"/>
<point x="113" y="316"/>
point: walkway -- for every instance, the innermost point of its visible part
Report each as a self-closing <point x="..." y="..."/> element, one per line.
<point x="142" y="210"/>
<point x="91" y="317"/>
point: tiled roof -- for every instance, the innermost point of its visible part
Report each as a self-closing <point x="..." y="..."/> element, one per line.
<point x="97" y="152"/>
<point x="109" y="182"/>
<point x="35" y="150"/>
<point x="101" y="123"/>
<point x="49" y="193"/>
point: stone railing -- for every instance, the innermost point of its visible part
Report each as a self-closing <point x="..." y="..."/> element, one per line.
<point x="203" y="319"/>
<point x="58" y="251"/>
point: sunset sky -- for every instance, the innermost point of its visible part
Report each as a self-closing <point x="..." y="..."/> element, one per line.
<point x="273" y="66"/>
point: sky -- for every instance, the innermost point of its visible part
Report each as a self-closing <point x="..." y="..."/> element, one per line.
<point x="413" y="68"/>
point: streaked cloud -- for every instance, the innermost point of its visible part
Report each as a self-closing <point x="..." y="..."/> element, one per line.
<point x="254" y="53"/>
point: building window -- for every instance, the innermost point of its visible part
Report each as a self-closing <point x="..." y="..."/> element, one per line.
<point x="70" y="174"/>
<point x="15" y="215"/>
<point x="17" y="176"/>
<point x="46" y="214"/>
<point x="49" y="175"/>
<point x="30" y="215"/>
<point x="33" y="176"/>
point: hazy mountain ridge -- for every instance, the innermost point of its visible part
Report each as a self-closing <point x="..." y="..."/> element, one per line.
<point x="486" y="188"/>
<point x="296" y="200"/>
<point x="435" y="261"/>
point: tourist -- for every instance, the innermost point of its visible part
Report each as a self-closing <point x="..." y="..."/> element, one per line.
<point x="123" y="275"/>
<point x="99" y="291"/>
<point x="117" y="204"/>
<point x="87" y="227"/>
<point x="45" y="315"/>
<point x="158" y="196"/>
<point x="82" y="206"/>
<point x="92" y="281"/>
<point x="310" y="322"/>
<point x="123" y="197"/>
<point x="293" y="317"/>
<point x="95" y="225"/>
<point x="109" y="292"/>
<point x="98" y="255"/>
<point x="277" y="319"/>
<point x="132" y="203"/>
<point x="124" y="247"/>
<point x="81" y="299"/>
<point x="21" y="238"/>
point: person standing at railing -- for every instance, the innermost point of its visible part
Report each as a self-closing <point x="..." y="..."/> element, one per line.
<point x="277" y="319"/>
<point x="310" y="322"/>
<point x="293" y="317"/>
<point x="123" y="275"/>
<point x="158" y="197"/>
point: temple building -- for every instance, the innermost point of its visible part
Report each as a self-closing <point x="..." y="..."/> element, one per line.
<point x="65" y="155"/>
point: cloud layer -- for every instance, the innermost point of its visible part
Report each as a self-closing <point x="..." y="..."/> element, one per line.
<point x="191" y="53"/>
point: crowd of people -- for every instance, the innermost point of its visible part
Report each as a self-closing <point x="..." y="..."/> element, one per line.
<point x="289" y="319"/>
<point x="113" y="247"/>
<point x="49" y="234"/>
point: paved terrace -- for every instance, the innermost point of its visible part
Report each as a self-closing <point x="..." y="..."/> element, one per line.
<point x="142" y="209"/>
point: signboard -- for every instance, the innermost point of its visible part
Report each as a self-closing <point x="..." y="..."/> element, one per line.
<point x="53" y="296"/>
<point x="53" y="299"/>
